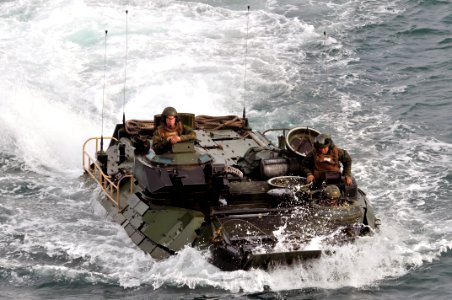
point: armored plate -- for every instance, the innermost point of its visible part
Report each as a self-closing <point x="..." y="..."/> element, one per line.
<point x="113" y="165"/>
<point x="219" y="156"/>
<point x="204" y="139"/>
<point x="172" y="227"/>
<point x="225" y="146"/>
<point x="231" y="150"/>
<point x="223" y="134"/>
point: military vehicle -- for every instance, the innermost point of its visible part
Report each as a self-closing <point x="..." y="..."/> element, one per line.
<point x="231" y="191"/>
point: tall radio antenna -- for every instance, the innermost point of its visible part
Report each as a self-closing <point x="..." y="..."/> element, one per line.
<point x="103" y="96"/>
<point x="246" y="55"/>
<point x="125" y="75"/>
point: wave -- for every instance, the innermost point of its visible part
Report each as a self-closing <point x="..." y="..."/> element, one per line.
<point x="192" y="56"/>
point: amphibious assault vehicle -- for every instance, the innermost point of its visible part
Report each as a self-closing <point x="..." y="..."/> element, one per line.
<point x="232" y="192"/>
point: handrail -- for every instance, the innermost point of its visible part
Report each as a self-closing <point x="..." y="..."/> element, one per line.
<point x="92" y="167"/>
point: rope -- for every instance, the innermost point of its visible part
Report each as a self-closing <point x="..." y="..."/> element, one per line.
<point x="134" y="127"/>
<point x="222" y="122"/>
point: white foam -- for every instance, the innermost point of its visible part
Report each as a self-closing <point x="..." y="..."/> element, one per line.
<point x="191" y="56"/>
<point x="38" y="129"/>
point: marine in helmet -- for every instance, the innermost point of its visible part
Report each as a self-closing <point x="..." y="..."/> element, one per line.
<point x="331" y="195"/>
<point x="170" y="131"/>
<point x="327" y="157"/>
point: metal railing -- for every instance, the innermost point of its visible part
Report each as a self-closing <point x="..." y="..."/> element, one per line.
<point x="92" y="167"/>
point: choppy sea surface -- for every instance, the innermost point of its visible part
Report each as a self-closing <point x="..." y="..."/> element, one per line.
<point x="376" y="75"/>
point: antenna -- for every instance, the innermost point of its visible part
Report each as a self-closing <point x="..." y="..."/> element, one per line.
<point x="324" y="56"/>
<point x="246" y="55"/>
<point x="125" y="76"/>
<point x="103" y="96"/>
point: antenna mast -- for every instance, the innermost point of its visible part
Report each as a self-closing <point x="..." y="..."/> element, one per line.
<point x="103" y="96"/>
<point x="246" y="55"/>
<point x="125" y="75"/>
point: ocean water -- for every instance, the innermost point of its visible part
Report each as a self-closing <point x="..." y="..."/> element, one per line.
<point x="376" y="75"/>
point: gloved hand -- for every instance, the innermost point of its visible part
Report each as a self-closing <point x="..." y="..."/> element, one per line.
<point x="174" y="139"/>
<point x="348" y="180"/>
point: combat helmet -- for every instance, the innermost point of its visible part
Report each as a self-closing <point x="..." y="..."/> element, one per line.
<point x="332" y="192"/>
<point x="331" y="195"/>
<point x="169" y="111"/>
<point x="323" y="140"/>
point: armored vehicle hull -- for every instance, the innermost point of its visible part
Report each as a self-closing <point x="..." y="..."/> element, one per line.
<point x="231" y="192"/>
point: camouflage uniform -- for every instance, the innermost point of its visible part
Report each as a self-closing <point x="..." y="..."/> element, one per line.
<point x="311" y="163"/>
<point x="160" y="144"/>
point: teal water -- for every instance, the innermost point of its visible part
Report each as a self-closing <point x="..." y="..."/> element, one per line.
<point x="374" y="74"/>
